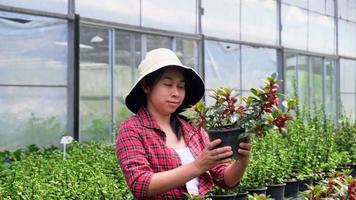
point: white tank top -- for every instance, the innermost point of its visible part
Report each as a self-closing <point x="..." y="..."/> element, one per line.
<point x="186" y="157"/>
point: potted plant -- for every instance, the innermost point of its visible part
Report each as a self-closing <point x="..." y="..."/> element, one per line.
<point x="231" y="116"/>
<point x="219" y="193"/>
<point x="339" y="186"/>
<point x="258" y="197"/>
<point x="276" y="164"/>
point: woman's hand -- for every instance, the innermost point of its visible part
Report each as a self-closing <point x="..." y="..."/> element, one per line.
<point x="244" y="150"/>
<point x="210" y="157"/>
<point x="235" y="171"/>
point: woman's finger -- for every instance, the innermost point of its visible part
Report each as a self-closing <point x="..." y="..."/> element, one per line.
<point x="246" y="146"/>
<point x="212" y="144"/>
<point x="243" y="152"/>
<point x="221" y="150"/>
<point x="225" y="155"/>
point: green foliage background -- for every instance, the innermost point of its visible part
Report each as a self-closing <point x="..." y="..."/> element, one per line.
<point x="89" y="172"/>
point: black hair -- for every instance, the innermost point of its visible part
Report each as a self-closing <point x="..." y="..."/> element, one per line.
<point x="149" y="81"/>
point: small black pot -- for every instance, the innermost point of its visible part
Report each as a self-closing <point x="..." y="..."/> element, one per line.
<point x="223" y="197"/>
<point x="241" y="196"/>
<point x="276" y="191"/>
<point x="318" y="178"/>
<point x="342" y="168"/>
<point x="353" y="168"/>
<point x="303" y="184"/>
<point x="229" y="137"/>
<point x="258" y="191"/>
<point x="325" y="174"/>
<point x="292" y="188"/>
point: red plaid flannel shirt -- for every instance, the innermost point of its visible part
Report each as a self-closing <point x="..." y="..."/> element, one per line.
<point x="142" y="151"/>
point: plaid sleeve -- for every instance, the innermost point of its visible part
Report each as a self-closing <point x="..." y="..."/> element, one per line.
<point x="218" y="171"/>
<point x="132" y="159"/>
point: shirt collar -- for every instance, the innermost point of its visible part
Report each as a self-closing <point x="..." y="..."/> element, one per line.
<point x="147" y="120"/>
<point x="188" y="129"/>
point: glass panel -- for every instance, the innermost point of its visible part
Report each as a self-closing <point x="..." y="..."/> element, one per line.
<point x="257" y="64"/>
<point x="299" y="3"/>
<point x="316" y="93"/>
<point x="347" y="9"/>
<point x="154" y="41"/>
<point x="208" y="99"/>
<point x="342" y="6"/>
<point x="290" y="61"/>
<point x="221" y="18"/>
<point x="330" y="7"/>
<point x="259" y="21"/>
<point x="187" y="52"/>
<point x="330" y="89"/>
<point x="123" y="11"/>
<point x="222" y="65"/>
<point x="351" y="10"/>
<point x="172" y="15"/>
<point x="32" y="115"/>
<point x="347" y="38"/>
<point x="303" y="81"/>
<point x="127" y="58"/>
<point x="317" y="6"/>
<point x="295" y="27"/>
<point x="348" y="105"/>
<point x="95" y="112"/>
<point x="33" y="50"/>
<point x="58" y="6"/>
<point x="347" y="76"/>
<point x="321" y="34"/>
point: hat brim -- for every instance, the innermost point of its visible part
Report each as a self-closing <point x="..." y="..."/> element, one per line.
<point x="194" y="91"/>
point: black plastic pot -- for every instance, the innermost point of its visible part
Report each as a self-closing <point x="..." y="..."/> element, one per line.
<point x="241" y="196"/>
<point x="318" y="178"/>
<point x="276" y="191"/>
<point x="342" y="168"/>
<point x="223" y="197"/>
<point x="353" y="168"/>
<point x="292" y="188"/>
<point x="303" y="184"/>
<point x="258" y="191"/>
<point x="230" y="137"/>
<point x="325" y="174"/>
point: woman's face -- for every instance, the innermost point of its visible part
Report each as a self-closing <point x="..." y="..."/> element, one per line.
<point x="168" y="93"/>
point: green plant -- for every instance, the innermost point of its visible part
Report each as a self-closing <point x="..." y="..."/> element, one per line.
<point x="196" y="197"/>
<point x="257" y="197"/>
<point x="275" y="156"/>
<point x="256" y="173"/>
<point x="89" y="172"/>
<point x="219" y="190"/>
<point x="339" y="186"/>
<point x="256" y="113"/>
<point x="345" y="138"/>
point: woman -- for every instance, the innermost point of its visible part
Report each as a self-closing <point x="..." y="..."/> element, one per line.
<point x="161" y="155"/>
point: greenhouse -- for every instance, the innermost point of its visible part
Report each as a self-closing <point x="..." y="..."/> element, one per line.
<point x="66" y="67"/>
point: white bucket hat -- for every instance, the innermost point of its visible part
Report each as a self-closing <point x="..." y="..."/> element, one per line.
<point x="155" y="60"/>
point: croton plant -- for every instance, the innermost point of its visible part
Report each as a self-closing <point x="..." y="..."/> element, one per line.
<point x="256" y="113"/>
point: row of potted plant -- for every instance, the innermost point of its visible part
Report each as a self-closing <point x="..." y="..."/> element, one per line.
<point x="296" y="156"/>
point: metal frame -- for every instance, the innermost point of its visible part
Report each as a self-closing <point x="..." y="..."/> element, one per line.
<point x="73" y="78"/>
<point x="36" y="12"/>
<point x="126" y="27"/>
<point x="112" y="62"/>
